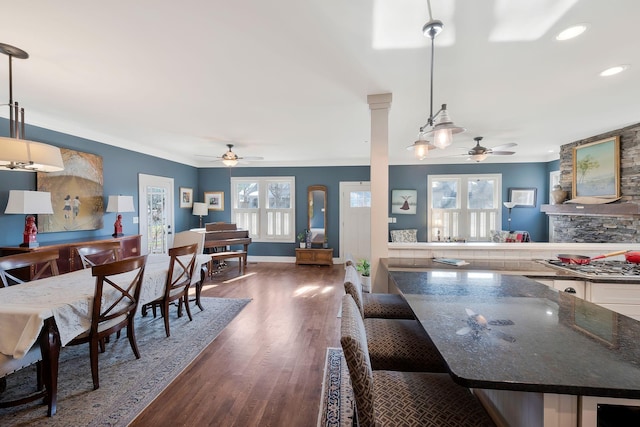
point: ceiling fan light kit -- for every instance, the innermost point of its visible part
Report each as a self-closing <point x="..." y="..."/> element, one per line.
<point x="230" y="159"/>
<point x="443" y="130"/>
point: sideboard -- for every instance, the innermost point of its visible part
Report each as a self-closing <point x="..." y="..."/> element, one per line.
<point x="69" y="260"/>
<point x="316" y="256"/>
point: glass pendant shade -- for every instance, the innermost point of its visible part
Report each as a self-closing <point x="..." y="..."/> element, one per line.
<point x="421" y="148"/>
<point x="444" y="129"/>
<point x="229" y="162"/>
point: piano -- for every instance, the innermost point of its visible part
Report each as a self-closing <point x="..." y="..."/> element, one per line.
<point x="223" y="234"/>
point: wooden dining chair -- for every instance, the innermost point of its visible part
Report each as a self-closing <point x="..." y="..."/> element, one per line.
<point x="96" y="253"/>
<point x="181" y="268"/>
<point x="115" y="303"/>
<point x="409" y="398"/>
<point x="39" y="263"/>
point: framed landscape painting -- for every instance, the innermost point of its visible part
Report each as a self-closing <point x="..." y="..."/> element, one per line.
<point x="596" y="168"/>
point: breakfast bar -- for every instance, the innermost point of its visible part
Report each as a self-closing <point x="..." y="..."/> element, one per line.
<point x="523" y="345"/>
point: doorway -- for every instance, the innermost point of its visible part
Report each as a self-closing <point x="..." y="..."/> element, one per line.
<point x="355" y="224"/>
<point x="156" y="213"/>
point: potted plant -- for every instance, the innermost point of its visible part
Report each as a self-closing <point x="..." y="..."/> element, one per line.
<point x="302" y="238"/>
<point x="364" y="268"/>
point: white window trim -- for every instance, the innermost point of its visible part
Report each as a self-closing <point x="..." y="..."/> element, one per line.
<point x="463" y="210"/>
<point x="262" y="211"/>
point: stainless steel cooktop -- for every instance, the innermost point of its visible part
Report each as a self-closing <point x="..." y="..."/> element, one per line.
<point x="605" y="269"/>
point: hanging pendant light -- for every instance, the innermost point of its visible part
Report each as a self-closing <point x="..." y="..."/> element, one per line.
<point x="442" y="130"/>
<point x="17" y="153"/>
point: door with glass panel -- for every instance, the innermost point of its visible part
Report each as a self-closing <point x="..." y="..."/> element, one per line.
<point x="156" y="213"/>
<point x="355" y="220"/>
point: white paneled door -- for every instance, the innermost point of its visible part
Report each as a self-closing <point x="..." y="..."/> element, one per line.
<point x="156" y="213"/>
<point x="355" y="215"/>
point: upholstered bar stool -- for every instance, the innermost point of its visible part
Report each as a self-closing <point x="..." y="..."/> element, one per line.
<point x="395" y="344"/>
<point x="386" y="306"/>
<point x="385" y="398"/>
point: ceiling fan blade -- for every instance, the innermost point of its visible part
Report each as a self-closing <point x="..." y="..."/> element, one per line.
<point x="503" y="146"/>
<point x="503" y="153"/>
<point x="251" y="158"/>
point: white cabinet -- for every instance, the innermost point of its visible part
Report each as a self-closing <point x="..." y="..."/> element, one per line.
<point x="562" y="285"/>
<point x="622" y="298"/>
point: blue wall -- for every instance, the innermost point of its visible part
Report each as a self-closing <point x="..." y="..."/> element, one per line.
<point x="121" y="169"/>
<point x="217" y="179"/>
<point x="120" y="172"/>
<point x="514" y="175"/>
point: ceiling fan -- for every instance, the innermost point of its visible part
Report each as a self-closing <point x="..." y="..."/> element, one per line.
<point x="479" y="153"/>
<point x="231" y="159"/>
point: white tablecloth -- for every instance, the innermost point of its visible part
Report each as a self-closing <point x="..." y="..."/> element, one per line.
<point x="68" y="298"/>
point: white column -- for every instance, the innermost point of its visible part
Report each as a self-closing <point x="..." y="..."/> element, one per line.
<point x="379" y="105"/>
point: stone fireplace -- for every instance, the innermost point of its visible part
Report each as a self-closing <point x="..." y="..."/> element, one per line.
<point x="607" y="223"/>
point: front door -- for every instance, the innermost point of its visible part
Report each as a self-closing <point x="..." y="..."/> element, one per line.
<point x="156" y="213"/>
<point x="355" y="224"/>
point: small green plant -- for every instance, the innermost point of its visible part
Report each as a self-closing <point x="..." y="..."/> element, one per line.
<point x="302" y="236"/>
<point x="364" y="267"/>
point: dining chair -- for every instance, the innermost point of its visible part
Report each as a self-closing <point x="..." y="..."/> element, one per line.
<point x="114" y="306"/>
<point x="181" y="267"/>
<point x="385" y="397"/>
<point x="39" y="263"/>
<point x="96" y="253"/>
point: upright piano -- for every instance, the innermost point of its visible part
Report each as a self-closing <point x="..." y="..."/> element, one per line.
<point x="223" y="234"/>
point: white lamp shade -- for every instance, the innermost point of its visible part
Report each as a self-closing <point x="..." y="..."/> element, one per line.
<point x="509" y="205"/>
<point x="29" y="202"/>
<point x="120" y="204"/>
<point x="25" y="155"/>
<point x="200" y="208"/>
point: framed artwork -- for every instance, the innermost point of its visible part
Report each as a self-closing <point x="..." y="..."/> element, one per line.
<point x="523" y="197"/>
<point x="214" y="200"/>
<point x="596" y="168"/>
<point x="76" y="193"/>
<point x="186" y="197"/>
<point x="404" y="201"/>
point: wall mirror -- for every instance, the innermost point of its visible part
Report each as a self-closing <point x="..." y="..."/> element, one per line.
<point x="317" y="216"/>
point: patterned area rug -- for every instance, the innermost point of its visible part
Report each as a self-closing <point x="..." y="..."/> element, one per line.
<point x="336" y="409"/>
<point x="127" y="384"/>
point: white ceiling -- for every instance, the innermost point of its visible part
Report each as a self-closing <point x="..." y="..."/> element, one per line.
<point x="288" y="80"/>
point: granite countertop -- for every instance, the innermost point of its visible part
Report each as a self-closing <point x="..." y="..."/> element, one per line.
<point x="528" y="268"/>
<point x="536" y="339"/>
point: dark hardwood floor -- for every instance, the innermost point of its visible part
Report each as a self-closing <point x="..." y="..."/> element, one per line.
<point x="265" y="368"/>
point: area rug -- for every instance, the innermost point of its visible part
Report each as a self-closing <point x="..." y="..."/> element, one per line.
<point x="127" y="384"/>
<point x="336" y="407"/>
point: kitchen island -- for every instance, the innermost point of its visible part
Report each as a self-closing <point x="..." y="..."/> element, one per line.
<point x="536" y="356"/>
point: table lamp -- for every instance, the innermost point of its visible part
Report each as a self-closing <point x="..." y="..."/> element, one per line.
<point x="509" y="206"/>
<point x="200" y="209"/>
<point x="119" y="204"/>
<point x="29" y="203"/>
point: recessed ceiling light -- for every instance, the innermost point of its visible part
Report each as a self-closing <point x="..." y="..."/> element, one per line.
<point x="613" y="70"/>
<point x="571" y="32"/>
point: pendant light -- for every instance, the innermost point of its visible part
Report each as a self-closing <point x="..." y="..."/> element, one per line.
<point x="442" y="127"/>
<point x="17" y="153"/>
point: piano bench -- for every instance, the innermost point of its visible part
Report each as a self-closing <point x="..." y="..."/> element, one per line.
<point x="219" y="256"/>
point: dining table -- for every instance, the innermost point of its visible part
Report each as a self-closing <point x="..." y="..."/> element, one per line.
<point x="52" y="311"/>
<point x="510" y="336"/>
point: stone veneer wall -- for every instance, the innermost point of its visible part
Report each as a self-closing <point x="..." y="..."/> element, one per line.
<point x="593" y="229"/>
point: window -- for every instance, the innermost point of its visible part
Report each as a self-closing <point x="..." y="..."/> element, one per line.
<point x="265" y="207"/>
<point x="464" y="206"/>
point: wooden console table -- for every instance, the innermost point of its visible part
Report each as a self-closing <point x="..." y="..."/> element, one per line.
<point x="69" y="260"/>
<point x="315" y="256"/>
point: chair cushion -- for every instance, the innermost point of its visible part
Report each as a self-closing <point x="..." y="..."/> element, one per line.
<point x="424" y="399"/>
<point x="404" y="236"/>
<point x="9" y="364"/>
<point x="401" y="345"/>
<point x="387" y="306"/>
